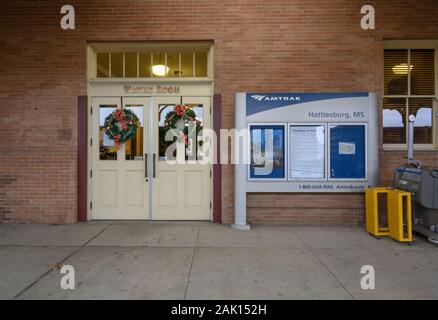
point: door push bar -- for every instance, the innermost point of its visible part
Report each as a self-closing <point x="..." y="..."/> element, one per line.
<point x="153" y="167"/>
<point x="146" y="166"/>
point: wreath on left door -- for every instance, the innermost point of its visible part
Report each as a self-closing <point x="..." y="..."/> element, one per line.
<point x="121" y="125"/>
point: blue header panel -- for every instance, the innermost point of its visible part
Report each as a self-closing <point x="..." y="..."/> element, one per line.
<point x="259" y="102"/>
<point x="347" y="152"/>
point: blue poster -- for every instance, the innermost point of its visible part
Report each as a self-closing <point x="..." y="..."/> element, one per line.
<point x="347" y="151"/>
<point x="267" y="152"/>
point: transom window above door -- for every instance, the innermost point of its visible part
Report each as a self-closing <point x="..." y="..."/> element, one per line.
<point x="174" y="60"/>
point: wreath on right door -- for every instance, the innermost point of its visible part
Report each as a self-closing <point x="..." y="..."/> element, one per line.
<point x="181" y="113"/>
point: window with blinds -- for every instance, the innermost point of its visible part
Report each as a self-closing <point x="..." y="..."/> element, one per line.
<point x="409" y="89"/>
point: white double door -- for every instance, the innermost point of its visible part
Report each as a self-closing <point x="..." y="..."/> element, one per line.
<point x="137" y="180"/>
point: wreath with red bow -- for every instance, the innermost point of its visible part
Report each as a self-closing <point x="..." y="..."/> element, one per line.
<point x="121" y="125"/>
<point x="183" y="113"/>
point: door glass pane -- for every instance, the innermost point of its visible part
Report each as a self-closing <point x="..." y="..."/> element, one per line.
<point x="194" y="147"/>
<point x="423" y="71"/>
<point x="421" y="108"/>
<point x="117" y="65"/>
<point x="170" y="129"/>
<point x="201" y="64"/>
<point x="102" y="65"/>
<point x="107" y="149"/>
<point x="396" y="72"/>
<point x="187" y="64"/>
<point x="164" y="116"/>
<point x="144" y="64"/>
<point x="134" y="147"/>
<point x="173" y="64"/>
<point x="394" y="120"/>
<point x="131" y="65"/>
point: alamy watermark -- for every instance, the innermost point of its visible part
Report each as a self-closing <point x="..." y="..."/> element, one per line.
<point x="368" y="281"/>
<point x="68" y="280"/>
<point x="367" y="21"/>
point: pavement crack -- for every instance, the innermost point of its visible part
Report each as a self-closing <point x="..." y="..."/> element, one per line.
<point x="191" y="264"/>
<point x="59" y="263"/>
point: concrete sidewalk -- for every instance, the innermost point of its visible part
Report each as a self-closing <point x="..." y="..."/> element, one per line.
<point x="189" y="260"/>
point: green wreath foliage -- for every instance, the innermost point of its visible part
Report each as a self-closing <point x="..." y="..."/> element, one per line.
<point x="181" y="112"/>
<point x="121" y="125"/>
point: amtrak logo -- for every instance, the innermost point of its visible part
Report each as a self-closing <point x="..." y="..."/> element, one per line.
<point x="259" y="97"/>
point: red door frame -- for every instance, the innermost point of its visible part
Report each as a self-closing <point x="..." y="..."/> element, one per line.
<point x="217" y="168"/>
<point x="82" y="158"/>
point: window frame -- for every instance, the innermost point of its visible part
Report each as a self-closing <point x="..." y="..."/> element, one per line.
<point x="151" y="48"/>
<point x="410" y="45"/>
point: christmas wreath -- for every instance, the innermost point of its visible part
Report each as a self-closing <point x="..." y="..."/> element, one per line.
<point x="121" y="126"/>
<point x="182" y="113"/>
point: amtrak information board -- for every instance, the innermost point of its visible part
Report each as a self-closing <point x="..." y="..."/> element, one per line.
<point x="309" y="142"/>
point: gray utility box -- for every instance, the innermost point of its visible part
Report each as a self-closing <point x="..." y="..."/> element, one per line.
<point x="422" y="182"/>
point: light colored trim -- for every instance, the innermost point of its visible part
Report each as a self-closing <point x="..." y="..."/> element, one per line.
<point x="153" y="45"/>
<point x="165" y="63"/>
<point x="91" y="63"/>
<point x="179" y="65"/>
<point x="409" y="75"/>
<point x="194" y="63"/>
<point x="210" y="71"/>
<point x="150" y="164"/>
<point x="89" y="151"/>
<point x="240" y="170"/>
<point x="123" y="64"/>
<point x="152" y="80"/>
<point x="394" y="96"/>
<point x="403" y="147"/>
<point x="410" y="44"/>
<point x="109" y="65"/>
<point x="138" y="65"/>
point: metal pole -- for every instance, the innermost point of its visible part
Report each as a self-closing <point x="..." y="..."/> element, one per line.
<point x="240" y="167"/>
<point x="411" y="139"/>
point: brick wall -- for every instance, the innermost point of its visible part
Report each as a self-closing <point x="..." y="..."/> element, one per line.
<point x="278" y="45"/>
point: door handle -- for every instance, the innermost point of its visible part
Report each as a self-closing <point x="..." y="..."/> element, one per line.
<point x="153" y="165"/>
<point x="146" y="166"/>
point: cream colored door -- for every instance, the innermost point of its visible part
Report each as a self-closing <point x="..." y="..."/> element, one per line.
<point x="180" y="191"/>
<point x="120" y="186"/>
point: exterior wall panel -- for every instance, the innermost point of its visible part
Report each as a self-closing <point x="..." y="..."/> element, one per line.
<point x="278" y="46"/>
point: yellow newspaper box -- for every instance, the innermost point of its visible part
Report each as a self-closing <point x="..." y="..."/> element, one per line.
<point x="400" y="215"/>
<point x="372" y="211"/>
